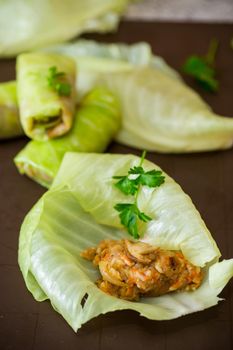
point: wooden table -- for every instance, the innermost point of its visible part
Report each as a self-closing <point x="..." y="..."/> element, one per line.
<point x="207" y="178"/>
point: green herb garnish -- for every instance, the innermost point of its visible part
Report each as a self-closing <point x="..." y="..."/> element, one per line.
<point x="55" y="81"/>
<point x="130" y="184"/>
<point x="202" y="68"/>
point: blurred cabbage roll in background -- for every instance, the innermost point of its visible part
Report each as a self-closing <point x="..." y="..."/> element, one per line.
<point x="27" y="25"/>
<point x="96" y="122"/>
<point x="46" y="94"/>
<point x="9" y="115"/>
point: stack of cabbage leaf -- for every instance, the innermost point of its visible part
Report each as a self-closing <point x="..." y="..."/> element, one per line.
<point x="96" y="122"/>
<point x="27" y="25"/>
<point x="77" y="213"/>
<point x="9" y="115"/>
<point x="44" y="113"/>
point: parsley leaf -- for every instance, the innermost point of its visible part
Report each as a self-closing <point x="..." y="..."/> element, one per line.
<point x="130" y="184"/>
<point x="126" y="185"/>
<point x="152" y="178"/>
<point x="136" y="170"/>
<point x="55" y="82"/>
<point x="202" y="68"/>
<point x="129" y="214"/>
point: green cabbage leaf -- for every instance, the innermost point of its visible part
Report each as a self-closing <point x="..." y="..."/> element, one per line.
<point x="163" y="114"/>
<point x="77" y="212"/>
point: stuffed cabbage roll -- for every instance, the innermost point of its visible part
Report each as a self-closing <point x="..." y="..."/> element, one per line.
<point x="78" y="213"/>
<point x="9" y="115"/>
<point x="46" y="94"/>
<point x="96" y="122"/>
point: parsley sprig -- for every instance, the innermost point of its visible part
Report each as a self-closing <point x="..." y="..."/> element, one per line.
<point x="202" y="68"/>
<point x="56" y="82"/>
<point x="130" y="184"/>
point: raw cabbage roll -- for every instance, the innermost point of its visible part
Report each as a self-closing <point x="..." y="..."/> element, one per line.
<point x="96" y="122"/>
<point x="9" y="115"/>
<point x="163" y="114"/>
<point x="46" y="94"/>
<point x="27" y="25"/>
<point x="77" y="213"/>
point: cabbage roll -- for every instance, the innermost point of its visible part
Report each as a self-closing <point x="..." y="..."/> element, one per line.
<point x="78" y="213"/>
<point x="9" y="116"/>
<point x="96" y="122"/>
<point x="46" y="94"/>
<point x="26" y="25"/>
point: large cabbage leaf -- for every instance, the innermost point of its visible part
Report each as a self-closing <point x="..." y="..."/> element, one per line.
<point x="163" y="114"/>
<point x="59" y="227"/>
<point x="29" y="24"/>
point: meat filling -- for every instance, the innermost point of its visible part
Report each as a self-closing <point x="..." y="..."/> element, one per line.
<point x="130" y="270"/>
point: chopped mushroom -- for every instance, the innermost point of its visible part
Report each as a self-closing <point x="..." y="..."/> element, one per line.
<point x="130" y="270"/>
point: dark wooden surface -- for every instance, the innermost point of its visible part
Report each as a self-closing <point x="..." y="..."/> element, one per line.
<point x="207" y="178"/>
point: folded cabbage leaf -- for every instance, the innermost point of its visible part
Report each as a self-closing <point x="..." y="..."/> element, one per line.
<point x="9" y="115"/>
<point x="46" y="110"/>
<point x="163" y="114"/>
<point x="97" y="120"/>
<point x="42" y="23"/>
<point x="77" y="213"/>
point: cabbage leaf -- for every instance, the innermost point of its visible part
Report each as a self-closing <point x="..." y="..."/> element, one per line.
<point x="69" y="218"/>
<point x="163" y="114"/>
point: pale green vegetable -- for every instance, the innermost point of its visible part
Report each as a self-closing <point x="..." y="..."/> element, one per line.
<point x="44" y="112"/>
<point x="27" y="25"/>
<point x="163" y="114"/>
<point x="9" y="116"/>
<point x="96" y="122"/>
<point x="59" y="227"/>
